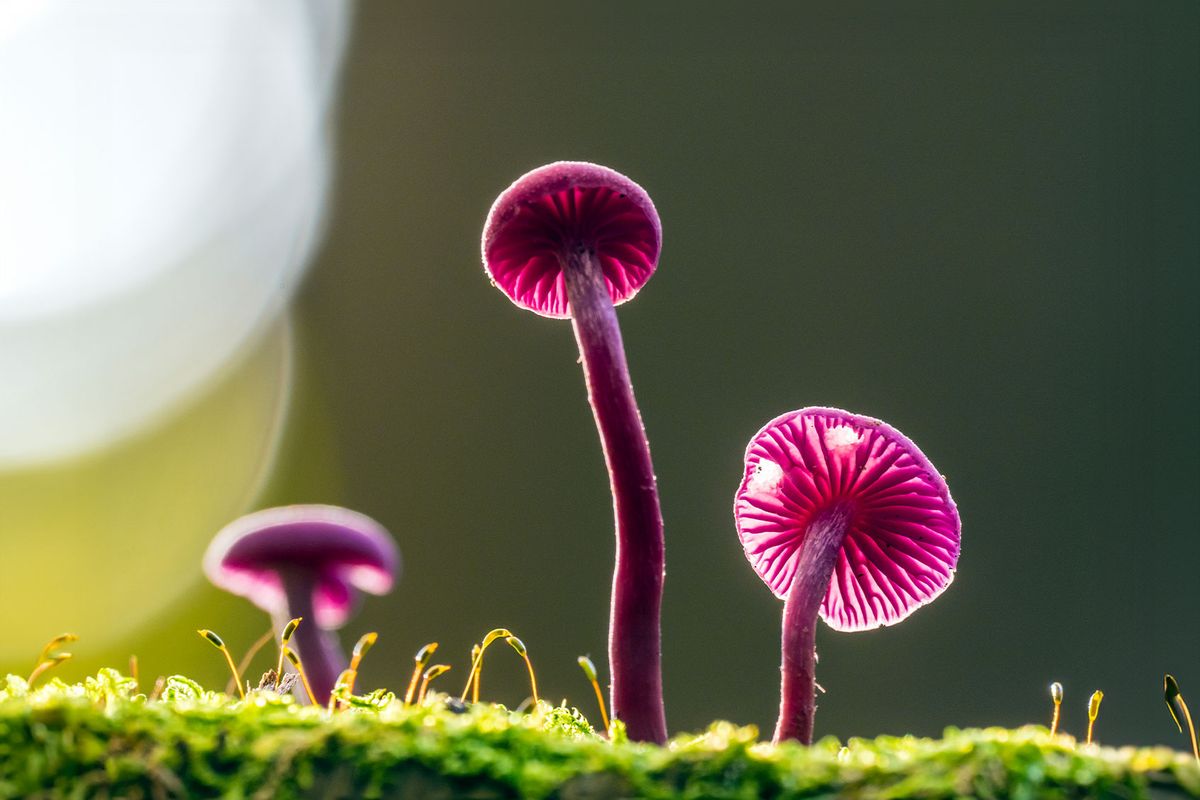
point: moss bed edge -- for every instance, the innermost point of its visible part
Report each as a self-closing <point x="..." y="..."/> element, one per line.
<point x="102" y="738"/>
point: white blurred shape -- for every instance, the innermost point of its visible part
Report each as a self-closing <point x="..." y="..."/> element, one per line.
<point x="163" y="168"/>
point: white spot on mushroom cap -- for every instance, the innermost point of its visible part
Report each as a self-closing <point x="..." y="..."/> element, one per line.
<point x="842" y="437"/>
<point x="766" y="478"/>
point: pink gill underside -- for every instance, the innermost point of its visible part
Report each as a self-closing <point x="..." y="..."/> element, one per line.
<point x="333" y="597"/>
<point x="333" y="601"/>
<point x="523" y="258"/>
<point x="903" y="541"/>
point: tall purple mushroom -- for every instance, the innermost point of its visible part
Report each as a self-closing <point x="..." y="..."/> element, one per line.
<point x="571" y="240"/>
<point x="842" y="515"/>
<point x="305" y="561"/>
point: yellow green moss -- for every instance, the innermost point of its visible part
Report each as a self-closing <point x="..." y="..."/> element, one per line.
<point x="103" y="738"/>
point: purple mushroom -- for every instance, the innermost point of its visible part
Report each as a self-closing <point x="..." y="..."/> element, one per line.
<point x="571" y="240"/>
<point x="842" y="515"/>
<point x="305" y="561"/>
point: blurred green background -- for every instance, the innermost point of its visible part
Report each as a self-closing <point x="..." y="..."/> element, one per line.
<point x="975" y="221"/>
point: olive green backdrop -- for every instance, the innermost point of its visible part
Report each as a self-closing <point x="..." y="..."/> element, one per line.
<point x="975" y="221"/>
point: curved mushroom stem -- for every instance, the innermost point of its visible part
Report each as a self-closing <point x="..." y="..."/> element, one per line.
<point x="319" y="650"/>
<point x="818" y="555"/>
<point x="634" y="637"/>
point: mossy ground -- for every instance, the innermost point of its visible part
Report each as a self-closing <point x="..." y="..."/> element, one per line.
<point x="104" y="739"/>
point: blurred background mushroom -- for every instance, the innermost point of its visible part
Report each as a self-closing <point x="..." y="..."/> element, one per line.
<point x="975" y="218"/>
<point x="306" y="562"/>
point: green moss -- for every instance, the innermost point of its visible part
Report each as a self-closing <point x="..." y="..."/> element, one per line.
<point x="102" y="739"/>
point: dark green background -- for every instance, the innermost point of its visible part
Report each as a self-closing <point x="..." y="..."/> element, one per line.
<point x="975" y="221"/>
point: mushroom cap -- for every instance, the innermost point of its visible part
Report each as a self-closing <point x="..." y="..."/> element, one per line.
<point x="342" y="549"/>
<point x="563" y="204"/>
<point x="902" y="543"/>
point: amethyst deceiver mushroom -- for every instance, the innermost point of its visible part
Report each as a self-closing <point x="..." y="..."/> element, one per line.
<point x="572" y="240"/>
<point x="305" y="561"/>
<point x="843" y="516"/>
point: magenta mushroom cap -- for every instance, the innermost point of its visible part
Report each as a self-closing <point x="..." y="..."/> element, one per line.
<point x="902" y="540"/>
<point x="565" y="204"/>
<point x="336" y="549"/>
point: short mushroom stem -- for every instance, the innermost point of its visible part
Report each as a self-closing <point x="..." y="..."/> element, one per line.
<point x="818" y="555"/>
<point x="319" y="650"/>
<point x="635" y="641"/>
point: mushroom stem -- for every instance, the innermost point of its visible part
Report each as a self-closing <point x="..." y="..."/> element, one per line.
<point x="634" y="637"/>
<point x="323" y="656"/>
<point x="818" y="555"/>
